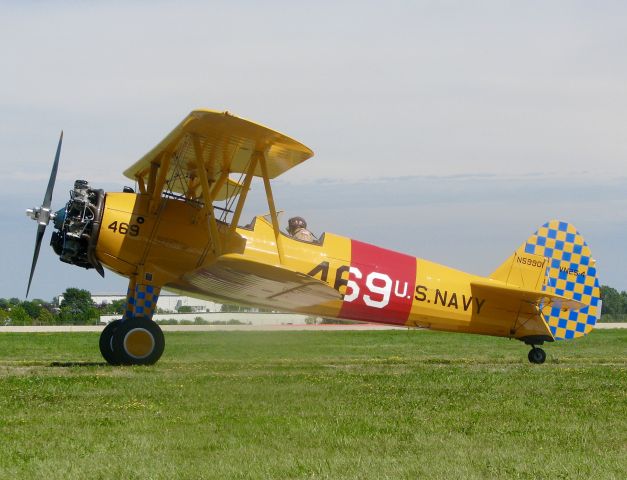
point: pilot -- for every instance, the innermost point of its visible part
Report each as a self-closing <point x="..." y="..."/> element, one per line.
<point x="297" y="228"/>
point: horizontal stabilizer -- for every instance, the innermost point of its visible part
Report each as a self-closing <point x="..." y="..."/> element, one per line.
<point x="540" y="298"/>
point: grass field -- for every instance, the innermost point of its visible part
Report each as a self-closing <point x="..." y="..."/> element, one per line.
<point x="381" y="405"/>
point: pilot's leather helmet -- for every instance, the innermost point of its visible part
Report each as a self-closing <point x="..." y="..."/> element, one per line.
<point x="296" y="222"/>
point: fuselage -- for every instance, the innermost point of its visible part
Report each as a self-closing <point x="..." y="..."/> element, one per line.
<point x="377" y="285"/>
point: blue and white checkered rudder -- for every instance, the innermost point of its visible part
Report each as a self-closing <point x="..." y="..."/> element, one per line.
<point x="571" y="273"/>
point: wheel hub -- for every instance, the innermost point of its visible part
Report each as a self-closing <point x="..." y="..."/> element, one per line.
<point x="139" y="343"/>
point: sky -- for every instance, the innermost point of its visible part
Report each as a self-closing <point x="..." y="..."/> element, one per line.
<point x="449" y="130"/>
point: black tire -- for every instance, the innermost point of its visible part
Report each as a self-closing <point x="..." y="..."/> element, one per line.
<point x="106" y="343"/>
<point x="138" y="341"/>
<point x="537" y="355"/>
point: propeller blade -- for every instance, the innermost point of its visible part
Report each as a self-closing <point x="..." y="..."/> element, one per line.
<point x="42" y="215"/>
<point x="53" y="175"/>
<point x="40" y="235"/>
<point x="99" y="269"/>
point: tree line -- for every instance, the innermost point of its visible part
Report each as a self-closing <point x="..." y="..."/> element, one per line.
<point x="614" y="303"/>
<point x="75" y="308"/>
<point x="78" y="308"/>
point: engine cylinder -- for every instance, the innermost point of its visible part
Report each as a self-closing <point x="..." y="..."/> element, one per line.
<point x="77" y="226"/>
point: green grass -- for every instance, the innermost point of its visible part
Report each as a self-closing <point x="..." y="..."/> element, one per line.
<point x="381" y="405"/>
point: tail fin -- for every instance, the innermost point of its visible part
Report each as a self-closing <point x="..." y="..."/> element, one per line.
<point x="558" y="260"/>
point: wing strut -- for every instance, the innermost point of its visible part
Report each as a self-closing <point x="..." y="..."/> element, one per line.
<point x="208" y="194"/>
<point x="242" y="196"/>
<point x="271" y="206"/>
<point x="155" y="199"/>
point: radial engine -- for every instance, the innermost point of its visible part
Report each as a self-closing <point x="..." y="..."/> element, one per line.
<point x="77" y="227"/>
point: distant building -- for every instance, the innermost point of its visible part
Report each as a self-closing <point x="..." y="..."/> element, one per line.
<point x="168" y="302"/>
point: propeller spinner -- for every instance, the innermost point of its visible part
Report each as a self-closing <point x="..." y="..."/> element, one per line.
<point x="42" y="215"/>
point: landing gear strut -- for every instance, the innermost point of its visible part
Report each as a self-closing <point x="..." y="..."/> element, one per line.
<point x="536" y="355"/>
<point x="134" y="341"/>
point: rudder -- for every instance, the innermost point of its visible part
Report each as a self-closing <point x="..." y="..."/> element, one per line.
<point x="570" y="272"/>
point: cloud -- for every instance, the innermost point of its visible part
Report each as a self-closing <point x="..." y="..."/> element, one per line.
<point x="467" y="222"/>
<point x="449" y="129"/>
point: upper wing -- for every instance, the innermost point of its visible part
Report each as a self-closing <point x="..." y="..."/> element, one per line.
<point x="235" y="279"/>
<point x="222" y="143"/>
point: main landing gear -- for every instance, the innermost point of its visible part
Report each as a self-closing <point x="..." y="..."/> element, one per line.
<point x="536" y="355"/>
<point x="134" y="341"/>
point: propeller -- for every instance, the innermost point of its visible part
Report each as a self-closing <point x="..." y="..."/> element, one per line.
<point x="42" y="215"/>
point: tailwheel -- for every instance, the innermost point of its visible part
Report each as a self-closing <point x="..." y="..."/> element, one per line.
<point x="138" y="341"/>
<point x="536" y="355"/>
<point x="106" y="343"/>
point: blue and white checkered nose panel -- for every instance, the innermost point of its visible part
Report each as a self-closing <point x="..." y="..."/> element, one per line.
<point x="571" y="273"/>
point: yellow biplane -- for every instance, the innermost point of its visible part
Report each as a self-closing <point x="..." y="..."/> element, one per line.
<point x="182" y="230"/>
